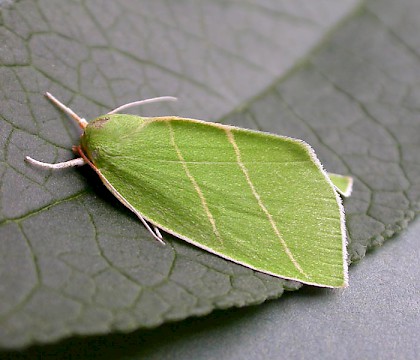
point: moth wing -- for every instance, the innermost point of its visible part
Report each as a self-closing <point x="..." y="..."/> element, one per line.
<point x="257" y="199"/>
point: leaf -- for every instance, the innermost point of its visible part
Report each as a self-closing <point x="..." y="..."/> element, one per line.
<point x="85" y="264"/>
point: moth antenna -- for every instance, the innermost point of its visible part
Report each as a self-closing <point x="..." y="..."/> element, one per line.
<point x="82" y="122"/>
<point x="61" y="165"/>
<point x="142" y="102"/>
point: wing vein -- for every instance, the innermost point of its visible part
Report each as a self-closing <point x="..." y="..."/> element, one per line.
<point x="260" y="202"/>
<point x="194" y="183"/>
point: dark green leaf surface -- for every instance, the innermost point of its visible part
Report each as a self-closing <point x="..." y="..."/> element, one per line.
<point x="73" y="260"/>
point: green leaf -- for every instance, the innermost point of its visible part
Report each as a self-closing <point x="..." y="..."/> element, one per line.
<point x="75" y="261"/>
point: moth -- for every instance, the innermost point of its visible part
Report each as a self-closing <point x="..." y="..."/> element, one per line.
<point x="257" y="199"/>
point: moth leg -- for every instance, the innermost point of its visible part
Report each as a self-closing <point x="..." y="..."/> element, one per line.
<point x="154" y="232"/>
<point x="61" y="165"/>
<point x="157" y="232"/>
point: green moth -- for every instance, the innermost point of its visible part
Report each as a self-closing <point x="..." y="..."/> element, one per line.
<point x="257" y="199"/>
